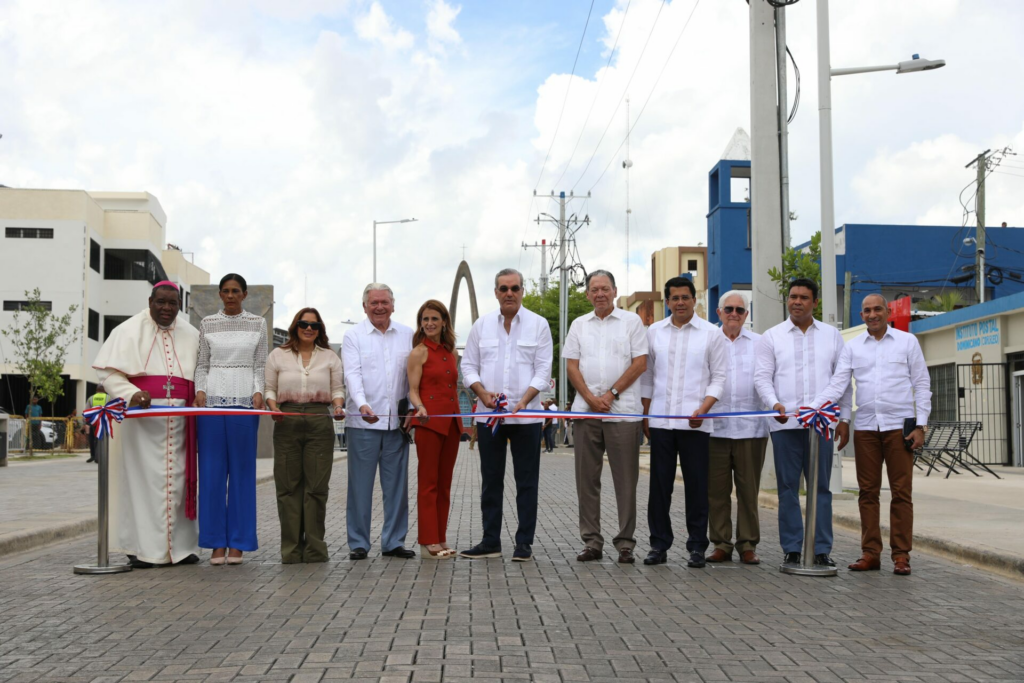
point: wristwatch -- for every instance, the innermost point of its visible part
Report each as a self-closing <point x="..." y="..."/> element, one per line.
<point x="614" y="393"/>
<point x="844" y="420"/>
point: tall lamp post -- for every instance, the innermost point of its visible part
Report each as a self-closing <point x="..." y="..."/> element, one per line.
<point x="375" y="224"/>
<point x="828" y="221"/>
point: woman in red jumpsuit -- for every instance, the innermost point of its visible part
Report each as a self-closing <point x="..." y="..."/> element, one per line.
<point x="433" y="390"/>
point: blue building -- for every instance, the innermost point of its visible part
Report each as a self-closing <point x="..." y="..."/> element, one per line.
<point x="894" y="260"/>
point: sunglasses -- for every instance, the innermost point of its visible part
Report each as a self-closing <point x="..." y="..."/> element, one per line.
<point x="303" y="324"/>
<point x="737" y="309"/>
<point x="505" y="288"/>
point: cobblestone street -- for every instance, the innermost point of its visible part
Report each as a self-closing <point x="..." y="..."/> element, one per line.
<point x="554" y="619"/>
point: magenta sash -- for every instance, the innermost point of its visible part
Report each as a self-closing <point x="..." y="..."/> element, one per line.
<point x="186" y="391"/>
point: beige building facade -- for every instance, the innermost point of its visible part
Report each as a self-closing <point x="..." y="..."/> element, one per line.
<point x="666" y="264"/>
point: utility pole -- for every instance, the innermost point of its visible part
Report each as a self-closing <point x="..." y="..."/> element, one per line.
<point x="543" y="246"/>
<point x="979" y="211"/>
<point x="780" y="65"/>
<point x="627" y="164"/>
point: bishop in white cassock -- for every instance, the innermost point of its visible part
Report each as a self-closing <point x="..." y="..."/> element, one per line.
<point x="150" y="359"/>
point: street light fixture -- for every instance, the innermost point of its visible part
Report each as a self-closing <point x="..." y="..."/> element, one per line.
<point x="375" y="224"/>
<point x="828" y="219"/>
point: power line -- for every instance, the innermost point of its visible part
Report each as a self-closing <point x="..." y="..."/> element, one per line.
<point x="566" y="98"/>
<point x="624" y="91"/>
<point x="600" y="85"/>
<point x="649" y="95"/>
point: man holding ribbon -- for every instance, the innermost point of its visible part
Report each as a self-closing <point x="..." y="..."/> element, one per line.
<point x="894" y="400"/>
<point x="150" y="360"/>
<point x="507" y="363"/>
<point x="605" y="354"/>
<point x="795" y="360"/>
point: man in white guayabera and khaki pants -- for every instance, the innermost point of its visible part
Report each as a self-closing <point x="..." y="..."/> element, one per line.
<point x="605" y="354"/>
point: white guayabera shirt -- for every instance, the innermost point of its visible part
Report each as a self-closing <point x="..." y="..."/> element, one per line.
<point x="509" y="362"/>
<point x="738" y="393"/>
<point x="605" y="349"/>
<point x="684" y="365"/>
<point x="375" y="372"/>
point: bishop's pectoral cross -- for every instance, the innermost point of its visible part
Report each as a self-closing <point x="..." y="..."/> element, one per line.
<point x="169" y="386"/>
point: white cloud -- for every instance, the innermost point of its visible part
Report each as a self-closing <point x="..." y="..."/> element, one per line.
<point x="440" y="31"/>
<point x="377" y="26"/>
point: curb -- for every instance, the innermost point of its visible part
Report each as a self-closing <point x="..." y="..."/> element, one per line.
<point x="71" y="530"/>
<point x="1007" y="565"/>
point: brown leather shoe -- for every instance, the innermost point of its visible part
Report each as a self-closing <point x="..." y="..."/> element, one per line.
<point x="866" y="564"/>
<point x="902" y="567"/>
<point x="589" y="554"/>
<point x="626" y="556"/>
<point x="749" y="557"/>
<point x="719" y="555"/>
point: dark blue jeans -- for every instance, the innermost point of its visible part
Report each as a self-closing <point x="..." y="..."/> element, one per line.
<point x="690" y="449"/>
<point x="792" y="448"/>
<point x="524" y="441"/>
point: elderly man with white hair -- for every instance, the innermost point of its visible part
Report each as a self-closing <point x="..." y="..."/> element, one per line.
<point x="738" y="444"/>
<point x="375" y="354"/>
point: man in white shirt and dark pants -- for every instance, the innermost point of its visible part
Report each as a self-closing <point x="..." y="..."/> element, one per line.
<point x="795" y="361"/>
<point x="605" y="353"/>
<point x="685" y="373"/>
<point x="893" y="387"/>
<point x="375" y="354"/>
<point x="738" y="444"/>
<point x="508" y="352"/>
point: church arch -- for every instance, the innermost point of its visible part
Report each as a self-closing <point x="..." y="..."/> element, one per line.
<point x="463" y="274"/>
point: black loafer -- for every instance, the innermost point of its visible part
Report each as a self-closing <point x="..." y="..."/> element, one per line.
<point x="697" y="560"/>
<point x="792" y="558"/>
<point x="136" y="563"/>
<point x="522" y="553"/>
<point x="191" y="559"/>
<point x="656" y="557"/>
<point x="400" y="551"/>
<point x="823" y="560"/>
<point x="357" y="554"/>
<point x="480" y="552"/>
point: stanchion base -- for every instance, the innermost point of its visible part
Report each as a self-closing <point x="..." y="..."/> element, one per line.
<point x="96" y="569"/>
<point x="814" y="570"/>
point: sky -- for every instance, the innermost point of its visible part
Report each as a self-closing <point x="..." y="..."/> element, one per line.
<point x="274" y="134"/>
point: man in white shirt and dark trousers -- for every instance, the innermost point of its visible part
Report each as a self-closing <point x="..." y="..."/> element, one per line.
<point x="795" y="362"/>
<point x="685" y="373"/>
<point x="893" y="387"/>
<point x="508" y="352"/>
<point x="605" y="353"/>
<point x="738" y="444"/>
<point x="375" y="354"/>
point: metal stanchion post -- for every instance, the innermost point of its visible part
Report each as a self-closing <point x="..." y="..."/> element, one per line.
<point x="103" y="565"/>
<point x="807" y="566"/>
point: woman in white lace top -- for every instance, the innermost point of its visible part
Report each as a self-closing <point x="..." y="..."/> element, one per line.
<point x="229" y="374"/>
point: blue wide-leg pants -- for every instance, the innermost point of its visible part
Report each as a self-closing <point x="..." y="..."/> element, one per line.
<point x="227" y="481"/>
<point x="792" y="449"/>
<point x="369" y="449"/>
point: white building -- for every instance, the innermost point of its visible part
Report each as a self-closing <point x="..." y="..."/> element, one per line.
<point x="100" y="251"/>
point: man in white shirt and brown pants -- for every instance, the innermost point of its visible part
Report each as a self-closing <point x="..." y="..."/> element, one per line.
<point x="795" y="361"/>
<point x="685" y="373"/>
<point x="508" y="352"/>
<point x="605" y="354"/>
<point x="738" y="444"/>
<point x="893" y="386"/>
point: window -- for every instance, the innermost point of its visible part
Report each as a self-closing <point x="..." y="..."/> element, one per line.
<point x="944" y="392"/>
<point x="691" y="265"/>
<point x="94" y="255"/>
<point x="30" y="233"/>
<point x="110" y="322"/>
<point x="94" y="325"/>
<point x="132" y="264"/>
<point x="23" y="305"/>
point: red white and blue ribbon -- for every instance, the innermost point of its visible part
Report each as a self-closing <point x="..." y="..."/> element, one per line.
<point x="102" y="418"/>
<point x="820" y="419"/>
<point x="500" y="407"/>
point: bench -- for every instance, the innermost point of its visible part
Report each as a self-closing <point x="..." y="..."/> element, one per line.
<point x="947" y="443"/>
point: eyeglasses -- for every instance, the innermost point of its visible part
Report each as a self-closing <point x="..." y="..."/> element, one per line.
<point x="505" y="288"/>
<point x="739" y="310"/>
<point x="303" y="324"/>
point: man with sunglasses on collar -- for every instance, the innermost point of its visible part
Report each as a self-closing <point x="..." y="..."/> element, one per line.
<point x="508" y="352"/>
<point x="737" y="446"/>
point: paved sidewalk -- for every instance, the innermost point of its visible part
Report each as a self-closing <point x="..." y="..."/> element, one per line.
<point x="554" y="619"/>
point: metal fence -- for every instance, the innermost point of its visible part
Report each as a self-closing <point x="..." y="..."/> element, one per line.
<point x="48" y="434"/>
<point x="944" y="391"/>
<point x="983" y="395"/>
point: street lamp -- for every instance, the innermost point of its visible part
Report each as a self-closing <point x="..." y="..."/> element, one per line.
<point x="375" y="224"/>
<point x="828" y="219"/>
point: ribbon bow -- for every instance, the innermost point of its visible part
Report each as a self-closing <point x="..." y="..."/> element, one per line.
<point x="820" y="419"/>
<point x="500" y="405"/>
<point x="102" y="418"/>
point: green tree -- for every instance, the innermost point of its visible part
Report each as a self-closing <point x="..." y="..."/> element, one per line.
<point x="943" y="302"/>
<point x="41" y="341"/>
<point x="546" y="306"/>
<point x="799" y="264"/>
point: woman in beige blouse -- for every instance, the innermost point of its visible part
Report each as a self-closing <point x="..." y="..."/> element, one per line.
<point x="304" y="376"/>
